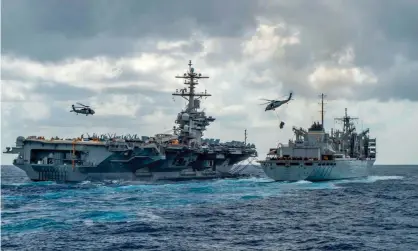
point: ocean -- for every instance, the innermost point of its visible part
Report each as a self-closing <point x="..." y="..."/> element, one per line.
<point x="375" y="213"/>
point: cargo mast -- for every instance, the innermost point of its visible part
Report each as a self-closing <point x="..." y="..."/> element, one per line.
<point x="322" y="109"/>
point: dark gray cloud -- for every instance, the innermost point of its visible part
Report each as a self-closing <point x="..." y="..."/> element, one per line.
<point x="377" y="30"/>
<point x="150" y="99"/>
<point x="398" y="83"/>
<point x="52" y="92"/>
<point x="227" y="50"/>
<point x="47" y="30"/>
<point x="63" y="92"/>
<point x="394" y="22"/>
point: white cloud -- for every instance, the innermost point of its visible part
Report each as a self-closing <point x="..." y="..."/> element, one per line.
<point x="14" y="90"/>
<point x="163" y="45"/>
<point x="36" y="110"/>
<point x="324" y="76"/>
<point x="148" y="62"/>
<point x="342" y="73"/>
<point x="268" y="42"/>
<point x="95" y="73"/>
<point x="115" y="105"/>
<point x="74" y="71"/>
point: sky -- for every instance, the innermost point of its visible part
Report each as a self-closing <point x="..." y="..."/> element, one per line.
<point x="121" y="58"/>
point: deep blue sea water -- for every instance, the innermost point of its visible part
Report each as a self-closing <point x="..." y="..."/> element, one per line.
<point x="375" y="213"/>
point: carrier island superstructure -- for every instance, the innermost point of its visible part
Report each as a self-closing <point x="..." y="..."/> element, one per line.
<point x="315" y="155"/>
<point x="179" y="156"/>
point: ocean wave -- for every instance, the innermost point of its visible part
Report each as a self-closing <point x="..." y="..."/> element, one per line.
<point x="251" y="213"/>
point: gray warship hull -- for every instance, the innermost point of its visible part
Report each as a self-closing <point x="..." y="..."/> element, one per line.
<point x="316" y="171"/>
<point x="351" y="169"/>
<point x="68" y="161"/>
<point x="65" y="173"/>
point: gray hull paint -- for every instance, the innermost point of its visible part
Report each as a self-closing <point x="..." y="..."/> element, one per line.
<point x="158" y="170"/>
<point x="341" y="170"/>
<point x="66" y="174"/>
<point x="176" y="164"/>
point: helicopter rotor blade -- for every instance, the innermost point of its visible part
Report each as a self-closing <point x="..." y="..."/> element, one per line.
<point x="83" y="105"/>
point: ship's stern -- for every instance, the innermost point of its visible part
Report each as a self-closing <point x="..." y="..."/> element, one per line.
<point x="27" y="168"/>
<point x="19" y="161"/>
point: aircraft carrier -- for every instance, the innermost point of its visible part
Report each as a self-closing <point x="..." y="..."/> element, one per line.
<point x="182" y="155"/>
<point x="319" y="156"/>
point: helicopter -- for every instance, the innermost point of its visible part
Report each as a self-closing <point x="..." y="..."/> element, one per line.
<point x="273" y="104"/>
<point x="83" y="109"/>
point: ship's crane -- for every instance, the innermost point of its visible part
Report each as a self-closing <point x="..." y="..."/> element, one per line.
<point x="362" y="143"/>
<point x="347" y="133"/>
<point x="364" y="133"/>
<point x="300" y="132"/>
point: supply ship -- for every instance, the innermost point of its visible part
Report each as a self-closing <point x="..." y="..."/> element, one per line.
<point x="181" y="155"/>
<point x="319" y="156"/>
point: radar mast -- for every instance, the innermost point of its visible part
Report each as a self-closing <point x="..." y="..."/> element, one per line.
<point x="191" y="79"/>
<point x="191" y="122"/>
<point x="348" y="125"/>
